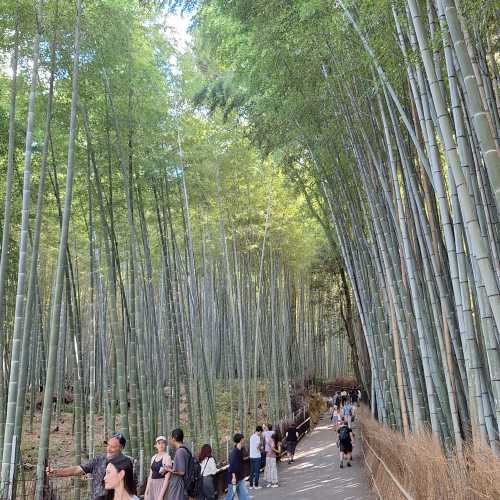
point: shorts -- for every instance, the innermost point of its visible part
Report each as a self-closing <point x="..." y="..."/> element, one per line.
<point x="345" y="447"/>
<point x="290" y="446"/>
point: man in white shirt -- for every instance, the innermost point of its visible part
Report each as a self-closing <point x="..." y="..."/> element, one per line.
<point x="255" y="457"/>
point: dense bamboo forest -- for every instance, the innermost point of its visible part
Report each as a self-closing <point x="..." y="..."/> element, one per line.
<point x="191" y="229"/>
<point x="157" y="269"/>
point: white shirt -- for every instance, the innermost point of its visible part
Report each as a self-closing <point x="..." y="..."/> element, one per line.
<point x="208" y="467"/>
<point x="254" y="445"/>
<point x="267" y="440"/>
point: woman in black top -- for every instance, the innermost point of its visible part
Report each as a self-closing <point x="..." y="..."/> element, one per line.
<point x="158" y="479"/>
<point x="291" y="442"/>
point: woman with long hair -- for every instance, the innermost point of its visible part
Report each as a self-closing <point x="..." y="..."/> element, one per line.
<point x="119" y="478"/>
<point x="208" y="471"/>
<point x="272" y="454"/>
<point x="158" y="479"/>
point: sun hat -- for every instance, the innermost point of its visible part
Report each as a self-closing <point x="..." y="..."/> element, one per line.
<point x="161" y="438"/>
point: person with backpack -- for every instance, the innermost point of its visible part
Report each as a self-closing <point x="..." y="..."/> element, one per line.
<point x="185" y="474"/>
<point x="235" y="475"/>
<point x="208" y="471"/>
<point x="158" y="478"/>
<point x="345" y="440"/>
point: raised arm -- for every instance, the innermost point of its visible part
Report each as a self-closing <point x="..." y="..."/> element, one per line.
<point x="166" y="480"/>
<point x="75" y="470"/>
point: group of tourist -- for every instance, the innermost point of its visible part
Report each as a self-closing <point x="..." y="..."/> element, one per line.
<point x="343" y="405"/>
<point x="114" y="473"/>
<point x="265" y="447"/>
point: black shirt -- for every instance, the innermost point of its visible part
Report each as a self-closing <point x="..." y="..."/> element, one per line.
<point x="156" y="465"/>
<point x="349" y="434"/>
<point x="235" y="465"/>
<point x="291" y="435"/>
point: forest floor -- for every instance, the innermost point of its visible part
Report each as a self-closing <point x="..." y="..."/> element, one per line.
<point x="61" y="443"/>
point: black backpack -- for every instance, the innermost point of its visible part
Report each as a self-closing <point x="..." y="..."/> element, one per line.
<point x="193" y="480"/>
<point x="344" y="436"/>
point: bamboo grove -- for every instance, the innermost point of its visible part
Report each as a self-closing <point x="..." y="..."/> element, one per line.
<point x="386" y="115"/>
<point x="156" y="269"/>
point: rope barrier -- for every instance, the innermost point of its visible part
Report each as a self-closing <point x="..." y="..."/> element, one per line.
<point x="403" y="492"/>
<point x="370" y="470"/>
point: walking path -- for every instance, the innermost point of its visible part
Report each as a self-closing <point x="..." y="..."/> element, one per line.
<point x="316" y="475"/>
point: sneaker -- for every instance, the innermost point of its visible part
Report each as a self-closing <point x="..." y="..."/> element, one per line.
<point x="275" y="486"/>
<point x="341" y="465"/>
<point x="250" y="487"/>
<point x="257" y="487"/>
<point x="349" y="464"/>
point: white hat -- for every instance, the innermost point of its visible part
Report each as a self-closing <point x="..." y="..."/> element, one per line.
<point x="161" y="438"/>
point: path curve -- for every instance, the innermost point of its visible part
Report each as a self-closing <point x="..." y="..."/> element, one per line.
<point x="316" y="475"/>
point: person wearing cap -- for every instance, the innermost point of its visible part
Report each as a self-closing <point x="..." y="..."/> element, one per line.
<point x="158" y="478"/>
<point x="96" y="467"/>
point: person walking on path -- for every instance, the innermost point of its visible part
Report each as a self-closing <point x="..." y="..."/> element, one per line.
<point x="96" y="467"/>
<point x="158" y="479"/>
<point x="236" y="480"/>
<point x="182" y="458"/>
<point x="335" y="417"/>
<point x="336" y="399"/>
<point x="208" y="471"/>
<point x="119" y="478"/>
<point x="291" y="442"/>
<point x="354" y="396"/>
<point x="343" y="397"/>
<point x="345" y="442"/>
<point x="255" y="457"/>
<point x="271" y="470"/>
<point x="347" y="413"/>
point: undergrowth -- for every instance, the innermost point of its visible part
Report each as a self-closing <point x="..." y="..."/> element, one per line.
<point x="424" y="470"/>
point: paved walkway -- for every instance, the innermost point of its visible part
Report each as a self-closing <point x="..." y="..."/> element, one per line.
<point x="316" y="475"/>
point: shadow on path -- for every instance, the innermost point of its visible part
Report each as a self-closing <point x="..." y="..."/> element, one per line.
<point x="316" y="475"/>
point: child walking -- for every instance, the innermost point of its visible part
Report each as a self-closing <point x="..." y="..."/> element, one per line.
<point x="335" y="416"/>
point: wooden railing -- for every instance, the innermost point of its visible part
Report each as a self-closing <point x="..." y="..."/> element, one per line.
<point x="393" y="478"/>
